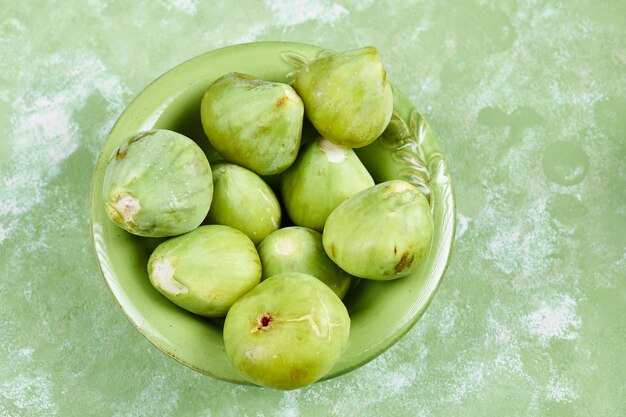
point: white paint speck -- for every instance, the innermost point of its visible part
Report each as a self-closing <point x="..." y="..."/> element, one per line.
<point x="362" y="5"/>
<point x="448" y="319"/>
<point x="26" y="352"/>
<point x="461" y="225"/>
<point x="157" y="384"/>
<point x="249" y="34"/>
<point x="186" y="6"/>
<point x="289" y="405"/>
<point x="451" y="45"/>
<point x="28" y="291"/>
<point x="29" y="394"/>
<point x="44" y="130"/>
<point x="559" y="391"/>
<point x="555" y="320"/>
<point x="517" y="245"/>
<point x="470" y="380"/>
<point x="291" y="13"/>
<point x="401" y="378"/>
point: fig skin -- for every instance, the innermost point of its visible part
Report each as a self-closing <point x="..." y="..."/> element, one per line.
<point x="347" y="96"/>
<point x="298" y="249"/>
<point x="382" y="233"/>
<point x="323" y="176"/>
<point x="158" y="184"/>
<point x="287" y="332"/>
<point x="206" y="270"/>
<point x="253" y="123"/>
<point x="241" y="199"/>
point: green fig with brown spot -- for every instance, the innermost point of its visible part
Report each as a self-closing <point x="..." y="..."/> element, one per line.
<point x="158" y="184"/>
<point x="347" y="96"/>
<point x="253" y="123"/>
<point x="382" y="233"/>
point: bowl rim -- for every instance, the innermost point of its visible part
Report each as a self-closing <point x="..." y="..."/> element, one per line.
<point x="389" y="341"/>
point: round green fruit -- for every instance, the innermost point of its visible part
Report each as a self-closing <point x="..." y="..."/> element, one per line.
<point x="241" y="199"/>
<point x="158" y="184"/>
<point x="298" y="249"/>
<point x="382" y="233"/>
<point x="206" y="270"/>
<point x="254" y="123"/>
<point x="324" y="176"/>
<point x="287" y="332"/>
<point x="347" y="96"/>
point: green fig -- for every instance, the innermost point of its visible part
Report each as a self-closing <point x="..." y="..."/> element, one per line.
<point x="206" y="270"/>
<point x="323" y="176"/>
<point x="158" y="184"/>
<point x="382" y="233"/>
<point x="287" y="332"/>
<point x="298" y="249"/>
<point x="347" y="96"/>
<point x="241" y="199"/>
<point x="254" y="123"/>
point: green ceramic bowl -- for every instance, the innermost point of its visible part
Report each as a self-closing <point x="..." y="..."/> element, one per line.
<point x="381" y="312"/>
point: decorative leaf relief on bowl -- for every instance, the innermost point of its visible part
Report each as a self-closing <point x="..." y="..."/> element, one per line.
<point x="299" y="61"/>
<point x="406" y="140"/>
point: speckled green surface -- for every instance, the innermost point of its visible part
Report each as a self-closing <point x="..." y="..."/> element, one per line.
<point x="528" y="100"/>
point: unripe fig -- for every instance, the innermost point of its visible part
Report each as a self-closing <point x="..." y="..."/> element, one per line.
<point x="206" y="270"/>
<point x="158" y="184"/>
<point x="347" y="96"/>
<point x="324" y="176"/>
<point x="298" y="249"/>
<point x="287" y="332"/>
<point x="382" y="233"/>
<point x="241" y="199"/>
<point x="253" y="123"/>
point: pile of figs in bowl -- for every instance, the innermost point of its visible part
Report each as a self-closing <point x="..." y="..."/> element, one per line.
<point x="273" y="213"/>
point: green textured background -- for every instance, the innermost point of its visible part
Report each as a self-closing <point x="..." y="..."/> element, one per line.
<point x="528" y="100"/>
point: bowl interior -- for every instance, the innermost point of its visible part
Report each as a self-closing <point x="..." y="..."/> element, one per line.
<point x="381" y="312"/>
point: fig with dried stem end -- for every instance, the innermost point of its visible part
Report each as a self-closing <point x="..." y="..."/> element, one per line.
<point x="253" y="123"/>
<point x="287" y="332"/>
<point x="347" y="96"/>
<point x="158" y="184"/>
<point x="206" y="270"/>
<point x="323" y="176"/>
